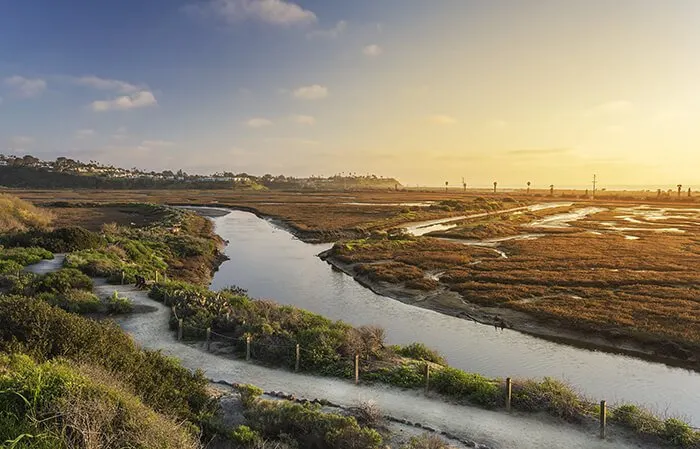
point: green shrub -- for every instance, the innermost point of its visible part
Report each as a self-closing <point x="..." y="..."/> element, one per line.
<point x="309" y="426"/>
<point x="25" y="256"/>
<point x="419" y="351"/>
<point x="245" y="436"/>
<point x="119" y="304"/>
<point x="637" y="418"/>
<point x="466" y="386"/>
<point x="62" y="281"/>
<point x="61" y="240"/>
<point x="249" y="393"/>
<point x="426" y="441"/>
<point x="404" y="376"/>
<point x="10" y="267"/>
<point x="73" y="301"/>
<point x="549" y="395"/>
<point x="46" y="333"/>
<point x="680" y="433"/>
<point x="42" y="401"/>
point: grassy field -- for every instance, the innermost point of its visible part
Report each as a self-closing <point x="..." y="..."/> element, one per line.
<point x="625" y="272"/>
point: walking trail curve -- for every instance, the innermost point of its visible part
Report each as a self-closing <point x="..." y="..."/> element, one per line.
<point x="493" y="428"/>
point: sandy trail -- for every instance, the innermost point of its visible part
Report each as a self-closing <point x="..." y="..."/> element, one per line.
<point x="495" y="429"/>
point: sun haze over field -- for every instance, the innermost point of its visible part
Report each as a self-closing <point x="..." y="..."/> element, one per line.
<point x="548" y="91"/>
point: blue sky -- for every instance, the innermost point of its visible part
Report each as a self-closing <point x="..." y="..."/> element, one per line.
<point x="425" y="91"/>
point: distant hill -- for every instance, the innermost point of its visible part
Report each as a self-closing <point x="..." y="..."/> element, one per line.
<point x="30" y="172"/>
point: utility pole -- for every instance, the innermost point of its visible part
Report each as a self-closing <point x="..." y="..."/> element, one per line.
<point x="595" y="182"/>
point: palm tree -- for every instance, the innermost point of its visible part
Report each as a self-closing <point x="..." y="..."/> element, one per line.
<point x="528" y="187"/>
<point x="495" y="185"/>
<point x="446" y="184"/>
<point x="680" y="186"/>
<point x="551" y="190"/>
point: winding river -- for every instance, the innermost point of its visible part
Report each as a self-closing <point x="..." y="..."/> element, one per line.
<point x="271" y="263"/>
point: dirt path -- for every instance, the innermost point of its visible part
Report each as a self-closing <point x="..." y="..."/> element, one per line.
<point x="495" y="429"/>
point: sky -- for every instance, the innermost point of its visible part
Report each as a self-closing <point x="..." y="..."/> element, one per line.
<point x="546" y="91"/>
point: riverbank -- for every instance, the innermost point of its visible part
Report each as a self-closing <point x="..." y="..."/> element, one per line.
<point x="448" y="302"/>
<point x="491" y="428"/>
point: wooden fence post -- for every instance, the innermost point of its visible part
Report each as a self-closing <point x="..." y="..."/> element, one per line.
<point x="122" y="277"/>
<point x="298" y="354"/>
<point x="509" y="394"/>
<point x="603" y="418"/>
<point x="165" y="277"/>
<point x="247" y="348"/>
<point x="357" y="369"/>
<point x="208" y="338"/>
<point x="156" y="276"/>
<point x="427" y="377"/>
<point x="181" y="324"/>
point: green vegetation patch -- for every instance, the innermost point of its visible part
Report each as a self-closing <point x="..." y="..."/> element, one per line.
<point x="55" y="405"/>
<point x="47" y="333"/>
<point x="24" y="256"/>
<point x="307" y="425"/>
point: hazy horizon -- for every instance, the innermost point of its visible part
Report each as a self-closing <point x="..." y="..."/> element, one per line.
<point x="426" y="92"/>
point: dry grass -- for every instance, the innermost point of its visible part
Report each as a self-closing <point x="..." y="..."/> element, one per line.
<point x="19" y="215"/>
<point x="645" y="289"/>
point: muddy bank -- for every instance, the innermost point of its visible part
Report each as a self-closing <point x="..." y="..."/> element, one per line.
<point x="305" y="235"/>
<point x="451" y="303"/>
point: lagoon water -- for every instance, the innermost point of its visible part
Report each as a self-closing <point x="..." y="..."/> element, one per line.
<point x="270" y="263"/>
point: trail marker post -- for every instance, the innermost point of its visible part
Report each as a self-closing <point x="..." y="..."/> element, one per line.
<point x="603" y="418"/>
<point x="509" y="394"/>
<point x="298" y="357"/>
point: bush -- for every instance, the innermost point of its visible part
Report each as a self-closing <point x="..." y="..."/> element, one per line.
<point x="119" y="304"/>
<point x="680" y="433"/>
<point x="549" y="395"/>
<point x="419" y="351"/>
<point x="61" y="240"/>
<point x="74" y="301"/>
<point x="38" y="402"/>
<point x="637" y="418"/>
<point x="10" y="267"/>
<point x="404" y="376"/>
<point x="25" y="256"/>
<point x="36" y="328"/>
<point x="245" y="436"/>
<point x="427" y="441"/>
<point x="471" y="387"/>
<point x="62" y="281"/>
<point x="309" y="426"/>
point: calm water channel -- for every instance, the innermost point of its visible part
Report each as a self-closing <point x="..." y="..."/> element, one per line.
<point x="270" y="263"/>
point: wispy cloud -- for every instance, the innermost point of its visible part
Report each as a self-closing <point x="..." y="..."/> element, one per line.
<point x="372" y="50"/>
<point x="274" y="12"/>
<point x="331" y="33"/>
<point x="532" y="152"/>
<point x="303" y="119"/>
<point x="120" y="134"/>
<point x="141" y="99"/>
<point x="292" y="141"/>
<point x="257" y="122"/>
<point x="314" y="92"/>
<point x="107" y="84"/>
<point x="153" y="144"/>
<point x="84" y="133"/>
<point x="21" y="140"/>
<point x="441" y="119"/>
<point x="609" y="108"/>
<point x="26" y="87"/>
